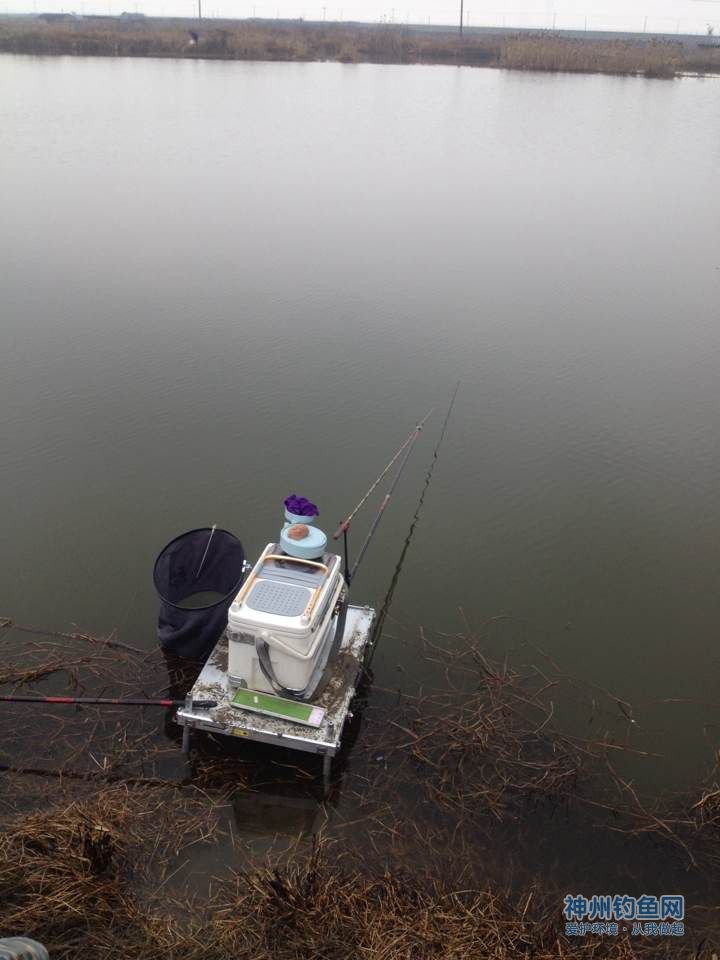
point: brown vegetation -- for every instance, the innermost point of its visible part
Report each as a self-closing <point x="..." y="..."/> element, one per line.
<point x="94" y="877"/>
<point x="254" y="40"/>
<point x="101" y="838"/>
<point x="608" y="56"/>
<point x="91" y="879"/>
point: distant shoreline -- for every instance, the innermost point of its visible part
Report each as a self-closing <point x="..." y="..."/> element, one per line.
<point x="130" y="36"/>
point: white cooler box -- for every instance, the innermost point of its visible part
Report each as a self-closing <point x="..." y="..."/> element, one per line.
<point x="287" y="603"/>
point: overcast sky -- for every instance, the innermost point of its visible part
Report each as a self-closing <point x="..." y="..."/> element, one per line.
<point x="662" y="15"/>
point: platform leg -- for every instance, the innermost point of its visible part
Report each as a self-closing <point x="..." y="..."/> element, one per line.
<point x="186" y="740"/>
<point x="327" y="763"/>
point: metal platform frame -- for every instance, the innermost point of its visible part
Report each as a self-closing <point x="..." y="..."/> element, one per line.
<point x="335" y="697"/>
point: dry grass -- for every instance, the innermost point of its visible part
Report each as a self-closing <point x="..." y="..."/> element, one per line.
<point x="484" y="758"/>
<point x="242" y="40"/>
<point x="76" y="875"/>
<point x="94" y="878"/>
<point x="442" y="785"/>
<point x="253" y="40"/>
<point x="558" y="54"/>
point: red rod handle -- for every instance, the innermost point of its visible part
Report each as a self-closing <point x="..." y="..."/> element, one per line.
<point x="199" y="704"/>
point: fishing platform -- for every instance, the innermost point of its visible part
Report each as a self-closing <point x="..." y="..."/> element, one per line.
<point x="334" y="699"/>
<point x="291" y="646"/>
<point x="282" y="646"/>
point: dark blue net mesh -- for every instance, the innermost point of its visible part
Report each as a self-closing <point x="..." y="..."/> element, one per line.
<point x="196" y="576"/>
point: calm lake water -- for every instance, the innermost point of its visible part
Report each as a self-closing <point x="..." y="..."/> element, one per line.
<point x="223" y="282"/>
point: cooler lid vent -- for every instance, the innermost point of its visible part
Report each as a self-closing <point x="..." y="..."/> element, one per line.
<point x="281" y="599"/>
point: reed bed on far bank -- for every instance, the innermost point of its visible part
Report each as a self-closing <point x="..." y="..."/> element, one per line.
<point x="242" y="40"/>
<point x="561" y="55"/>
<point x="349" y="43"/>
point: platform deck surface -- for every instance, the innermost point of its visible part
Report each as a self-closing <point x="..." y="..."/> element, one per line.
<point x="335" y="697"/>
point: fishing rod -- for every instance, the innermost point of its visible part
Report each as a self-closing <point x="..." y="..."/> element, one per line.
<point x="137" y="702"/>
<point x="380" y="620"/>
<point x="407" y="447"/>
<point x="344" y="526"/>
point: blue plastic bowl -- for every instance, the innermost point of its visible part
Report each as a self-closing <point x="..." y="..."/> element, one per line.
<point x="309" y="548"/>
<point x="295" y="518"/>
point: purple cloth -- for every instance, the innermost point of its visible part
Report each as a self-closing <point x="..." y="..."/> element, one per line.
<point x="300" y="506"/>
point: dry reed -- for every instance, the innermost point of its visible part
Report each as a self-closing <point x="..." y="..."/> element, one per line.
<point x="348" y="43"/>
<point x="438" y="779"/>
<point x="95" y="878"/>
<point x="557" y="54"/>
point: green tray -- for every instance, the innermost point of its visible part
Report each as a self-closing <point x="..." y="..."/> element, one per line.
<point x="278" y="707"/>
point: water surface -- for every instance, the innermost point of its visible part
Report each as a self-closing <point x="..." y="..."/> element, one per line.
<point x="223" y="282"/>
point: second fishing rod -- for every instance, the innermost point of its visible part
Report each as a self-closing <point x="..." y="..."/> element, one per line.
<point x="406" y="449"/>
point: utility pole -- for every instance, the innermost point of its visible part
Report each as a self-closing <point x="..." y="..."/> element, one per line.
<point x="199" y="11"/>
<point x="462" y="5"/>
